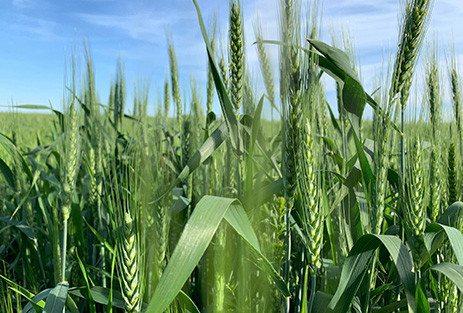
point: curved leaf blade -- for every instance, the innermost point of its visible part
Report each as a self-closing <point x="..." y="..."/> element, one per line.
<point x="187" y="305"/>
<point x="356" y="266"/>
<point x="336" y="56"/>
<point x="453" y="271"/>
<point x="7" y="174"/>
<point x="454" y="235"/>
<point x="193" y="242"/>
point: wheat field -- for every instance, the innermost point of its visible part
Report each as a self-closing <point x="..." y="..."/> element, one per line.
<point x="318" y="209"/>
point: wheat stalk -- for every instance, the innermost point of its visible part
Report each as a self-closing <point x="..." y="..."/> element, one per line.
<point x="265" y="65"/>
<point x="129" y="279"/>
<point x="290" y="93"/>
<point x="236" y="55"/>
<point x="456" y="96"/>
<point x="451" y="175"/>
<point x="71" y="167"/>
<point x="119" y="95"/>
<point x="124" y="201"/>
<point x="382" y="134"/>
<point x="435" y="105"/>
<point x="174" y="82"/>
<point x="308" y="187"/>
<point x="413" y="30"/>
<point x="415" y="213"/>
<point x="166" y="97"/>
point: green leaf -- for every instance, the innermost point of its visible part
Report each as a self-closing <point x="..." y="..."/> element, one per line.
<point x="237" y="219"/>
<point x="32" y="107"/>
<point x="353" y="178"/>
<point x="367" y="173"/>
<point x="187" y="305"/>
<point x="393" y="307"/>
<point x="252" y="144"/>
<point x="211" y="144"/>
<point x="71" y="305"/>
<point x="91" y="302"/>
<point x="35" y="304"/>
<point x="321" y="301"/>
<point x="9" y="147"/>
<point x="100" y="295"/>
<point x="8" y="174"/>
<point x="336" y="56"/>
<point x="353" y="97"/>
<point x="454" y="235"/>
<point x="179" y="202"/>
<point x="265" y="194"/>
<point x="26" y="196"/>
<point x="109" y="308"/>
<point x="57" y="298"/>
<point x="453" y="271"/>
<point x="422" y="302"/>
<point x="334" y="121"/>
<point x="100" y="238"/>
<point x="337" y="63"/>
<point x="452" y="214"/>
<point x="193" y="242"/>
<point x="195" y="238"/>
<point x="14" y="285"/>
<point x="21" y="226"/>
<point x="357" y="264"/>
<point x="393" y="178"/>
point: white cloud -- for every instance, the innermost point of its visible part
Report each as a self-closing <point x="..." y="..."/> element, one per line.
<point x="23" y="4"/>
<point x="41" y="28"/>
<point x="142" y="26"/>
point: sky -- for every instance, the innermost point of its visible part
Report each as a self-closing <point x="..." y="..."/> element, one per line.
<point x="39" y="36"/>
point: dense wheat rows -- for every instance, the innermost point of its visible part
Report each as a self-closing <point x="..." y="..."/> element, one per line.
<point x="205" y="211"/>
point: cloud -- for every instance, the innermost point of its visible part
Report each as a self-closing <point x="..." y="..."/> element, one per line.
<point x="41" y="28"/>
<point x="146" y="26"/>
<point x="23" y="4"/>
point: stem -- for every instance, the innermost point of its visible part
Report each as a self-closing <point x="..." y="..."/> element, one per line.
<point x="313" y="288"/>
<point x="271" y="124"/>
<point x="402" y="152"/>
<point x="287" y="252"/>
<point x="102" y="249"/>
<point x="302" y="269"/>
<point x="63" y="257"/>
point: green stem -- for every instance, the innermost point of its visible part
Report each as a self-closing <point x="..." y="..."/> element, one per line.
<point x="313" y="290"/>
<point x="63" y="254"/>
<point x="287" y="252"/>
<point x="402" y="150"/>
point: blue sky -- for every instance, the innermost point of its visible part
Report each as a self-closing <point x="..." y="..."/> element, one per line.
<point x="37" y="35"/>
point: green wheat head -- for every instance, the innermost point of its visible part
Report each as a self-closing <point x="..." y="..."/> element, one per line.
<point x="174" y="82"/>
<point x="412" y="33"/>
<point x="236" y="55"/>
<point x="310" y="197"/>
